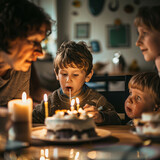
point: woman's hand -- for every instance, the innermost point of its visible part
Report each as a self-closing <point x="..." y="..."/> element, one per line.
<point x="93" y="112"/>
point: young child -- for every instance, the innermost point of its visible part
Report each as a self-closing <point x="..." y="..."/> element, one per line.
<point x="144" y="94"/>
<point x="73" y="67"/>
<point x="147" y="22"/>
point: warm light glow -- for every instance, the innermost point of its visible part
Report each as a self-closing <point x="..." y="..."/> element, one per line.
<point x="77" y="156"/>
<point x="42" y="152"/>
<point x="24" y="97"/>
<point x="46" y="105"/>
<point x="46" y="153"/>
<point x="80" y="110"/>
<point x="78" y="103"/>
<point x="45" y="98"/>
<point x="72" y="102"/>
<point x="77" y="100"/>
<point x="92" y="154"/>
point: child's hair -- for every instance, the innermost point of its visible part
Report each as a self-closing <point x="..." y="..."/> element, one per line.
<point x="72" y="54"/>
<point x="19" y="19"/>
<point x="148" y="16"/>
<point x="147" y="82"/>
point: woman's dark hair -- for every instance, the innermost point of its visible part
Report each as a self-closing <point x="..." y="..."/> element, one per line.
<point x="19" y="19"/>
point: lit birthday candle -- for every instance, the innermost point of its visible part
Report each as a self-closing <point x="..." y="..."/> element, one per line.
<point x="46" y="105"/>
<point x="78" y="103"/>
<point x="72" y="104"/>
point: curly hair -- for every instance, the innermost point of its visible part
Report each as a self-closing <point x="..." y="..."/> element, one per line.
<point x="148" y="16"/>
<point x="147" y="82"/>
<point x="72" y="54"/>
<point x="19" y="19"/>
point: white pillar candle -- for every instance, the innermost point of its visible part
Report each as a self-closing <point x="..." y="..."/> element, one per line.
<point x="21" y="109"/>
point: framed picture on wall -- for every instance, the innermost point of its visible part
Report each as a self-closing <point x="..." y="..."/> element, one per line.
<point x="118" y="36"/>
<point x="82" y="30"/>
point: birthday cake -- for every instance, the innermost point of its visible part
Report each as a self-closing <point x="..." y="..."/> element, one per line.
<point x="70" y="125"/>
<point x="149" y="124"/>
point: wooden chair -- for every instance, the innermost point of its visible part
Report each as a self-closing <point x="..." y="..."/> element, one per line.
<point x="101" y="83"/>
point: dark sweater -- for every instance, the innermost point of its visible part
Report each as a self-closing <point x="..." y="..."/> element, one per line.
<point x="13" y="85"/>
<point x="58" y="101"/>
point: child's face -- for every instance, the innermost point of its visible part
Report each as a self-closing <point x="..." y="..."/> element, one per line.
<point x="138" y="102"/>
<point x="148" y="42"/>
<point x="72" y="78"/>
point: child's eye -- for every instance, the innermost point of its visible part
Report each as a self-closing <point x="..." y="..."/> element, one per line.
<point x="75" y="75"/>
<point x="138" y="98"/>
<point x="64" y="74"/>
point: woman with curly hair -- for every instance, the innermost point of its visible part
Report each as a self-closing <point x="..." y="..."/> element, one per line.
<point x="23" y="26"/>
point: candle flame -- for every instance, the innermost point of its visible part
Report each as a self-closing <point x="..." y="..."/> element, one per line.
<point x="77" y="100"/>
<point x="45" y="97"/>
<point x="24" y="97"/>
<point x="72" y="102"/>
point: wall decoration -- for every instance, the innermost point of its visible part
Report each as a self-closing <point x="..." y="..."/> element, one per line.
<point x="82" y="30"/>
<point x="129" y="8"/>
<point x="96" y="6"/>
<point x="113" y="5"/>
<point x="118" y="36"/>
<point x="95" y="46"/>
<point x="76" y="3"/>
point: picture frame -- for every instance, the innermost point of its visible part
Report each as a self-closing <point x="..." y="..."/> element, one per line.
<point x="82" y="30"/>
<point x="95" y="46"/>
<point x="118" y="36"/>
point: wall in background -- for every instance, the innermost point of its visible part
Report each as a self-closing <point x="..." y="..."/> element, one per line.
<point x="66" y="20"/>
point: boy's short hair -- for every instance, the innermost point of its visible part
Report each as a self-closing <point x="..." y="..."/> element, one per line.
<point x="147" y="82"/>
<point x="148" y="16"/>
<point x="72" y="54"/>
<point x="19" y="19"/>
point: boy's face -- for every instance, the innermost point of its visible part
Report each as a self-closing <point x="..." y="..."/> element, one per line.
<point x="148" y="42"/>
<point x="138" y="102"/>
<point x="24" y="51"/>
<point x="72" y="78"/>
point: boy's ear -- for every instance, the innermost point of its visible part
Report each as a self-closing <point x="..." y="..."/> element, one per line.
<point x="56" y="74"/>
<point x="89" y="76"/>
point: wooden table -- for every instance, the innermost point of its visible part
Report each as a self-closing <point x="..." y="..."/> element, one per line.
<point x="121" y="136"/>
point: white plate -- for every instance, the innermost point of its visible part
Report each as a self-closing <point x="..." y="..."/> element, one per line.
<point x="40" y="134"/>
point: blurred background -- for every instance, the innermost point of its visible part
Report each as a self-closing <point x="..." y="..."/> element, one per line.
<point x="107" y="26"/>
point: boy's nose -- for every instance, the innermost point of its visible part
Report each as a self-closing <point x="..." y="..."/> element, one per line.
<point x="130" y="99"/>
<point x="68" y="79"/>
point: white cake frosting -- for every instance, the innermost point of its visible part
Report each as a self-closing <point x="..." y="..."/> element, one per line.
<point x="71" y="121"/>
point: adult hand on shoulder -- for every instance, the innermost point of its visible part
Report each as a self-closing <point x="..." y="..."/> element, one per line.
<point x="93" y="112"/>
